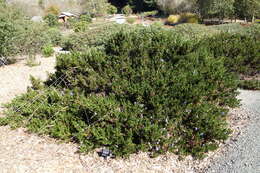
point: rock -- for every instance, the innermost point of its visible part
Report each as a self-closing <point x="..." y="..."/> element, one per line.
<point x="37" y="19"/>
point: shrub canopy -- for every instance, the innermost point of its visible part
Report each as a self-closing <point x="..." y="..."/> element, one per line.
<point x="146" y="90"/>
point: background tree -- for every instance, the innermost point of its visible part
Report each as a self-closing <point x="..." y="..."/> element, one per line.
<point x="247" y="9"/>
<point x="176" y="6"/>
<point x="222" y="8"/>
<point x="215" y="8"/>
<point x="95" y="7"/>
<point x="137" y="5"/>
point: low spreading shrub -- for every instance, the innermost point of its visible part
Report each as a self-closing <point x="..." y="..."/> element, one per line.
<point x="183" y="18"/>
<point x="189" y="18"/>
<point x="55" y="35"/>
<point x="18" y="35"/>
<point x="157" y="24"/>
<point x="252" y="30"/>
<point x="249" y="84"/>
<point x="47" y="50"/>
<point x="85" y="18"/>
<point x="51" y="20"/>
<point x="144" y="91"/>
<point x="172" y="19"/>
<point x="130" y="20"/>
<point x="92" y="37"/>
<point x="149" y="13"/>
<point x="80" y="26"/>
<point x="241" y="52"/>
<point x="195" y="32"/>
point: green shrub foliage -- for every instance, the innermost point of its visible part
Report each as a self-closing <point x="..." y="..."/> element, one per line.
<point x="51" y="20"/>
<point x="144" y="91"/>
<point x="81" y="41"/>
<point x="47" y="50"/>
<point x="86" y="18"/>
<point x="111" y="9"/>
<point x="250" y="84"/>
<point x="127" y="10"/>
<point x="55" y="36"/>
<point x="241" y="52"/>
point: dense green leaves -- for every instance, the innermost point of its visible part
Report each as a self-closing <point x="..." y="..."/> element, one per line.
<point x="146" y="90"/>
<point x="250" y="84"/>
<point x="241" y="52"/>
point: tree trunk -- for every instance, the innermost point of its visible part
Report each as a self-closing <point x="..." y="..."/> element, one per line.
<point x="253" y="18"/>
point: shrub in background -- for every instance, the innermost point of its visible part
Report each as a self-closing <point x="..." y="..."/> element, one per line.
<point x="195" y="32"/>
<point x="95" y="7"/>
<point x="81" y="41"/>
<point x="47" y="50"/>
<point x="7" y="32"/>
<point x="41" y="4"/>
<point x="85" y="18"/>
<point x="172" y="19"/>
<point x="252" y="30"/>
<point x="111" y="9"/>
<point x="157" y="24"/>
<point x="55" y="35"/>
<point x="80" y="26"/>
<point x="241" y="52"/>
<point x="250" y="84"/>
<point x="127" y="10"/>
<point x="149" y="13"/>
<point x="53" y="9"/>
<point x="31" y="38"/>
<point x="10" y="19"/>
<point x="130" y="20"/>
<point x="51" y="20"/>
<point x="189" y="18"/>
<point x="183" y="18"/>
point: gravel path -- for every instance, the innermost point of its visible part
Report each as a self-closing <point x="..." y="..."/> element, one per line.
<point x="22" y="152"/>
<point x="242" y="155"/>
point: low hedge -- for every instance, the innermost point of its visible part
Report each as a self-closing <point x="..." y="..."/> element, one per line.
<point x="252" y="30"/>
<point x="241" y="52"/>
<point x="144" y="91"/>
<point x="249" y="84"/>
<point x="90" y="38"/>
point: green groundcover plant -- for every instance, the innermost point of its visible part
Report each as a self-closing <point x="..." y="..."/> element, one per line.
<point x="250" y="84"/>
<point x="146" y="90"/>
